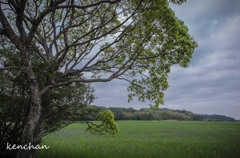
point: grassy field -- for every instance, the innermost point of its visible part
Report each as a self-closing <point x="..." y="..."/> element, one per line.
<point x="148" y="139"/>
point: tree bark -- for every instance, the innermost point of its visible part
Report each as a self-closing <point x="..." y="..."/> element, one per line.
<point x="33" y="127"/>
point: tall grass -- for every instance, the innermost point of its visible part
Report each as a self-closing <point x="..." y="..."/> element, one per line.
<point x="148" y="139"/>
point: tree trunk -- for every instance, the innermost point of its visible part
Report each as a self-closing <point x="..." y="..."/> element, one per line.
<point x="33" y="126"/>
<point x="32" y="131"/>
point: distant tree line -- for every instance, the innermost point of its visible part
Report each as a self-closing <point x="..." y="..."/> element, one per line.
<point x="156" y="114"/>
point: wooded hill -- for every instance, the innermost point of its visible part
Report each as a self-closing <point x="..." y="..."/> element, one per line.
<point x="157" y="114"/>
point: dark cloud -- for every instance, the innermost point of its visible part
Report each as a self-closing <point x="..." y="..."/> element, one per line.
<point x="211" y="83"/>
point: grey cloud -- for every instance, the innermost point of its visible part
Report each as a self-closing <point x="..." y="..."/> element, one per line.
<point x="195" y="11"/>
<point x="211" y="84"/>
<point x="115" y="94"/>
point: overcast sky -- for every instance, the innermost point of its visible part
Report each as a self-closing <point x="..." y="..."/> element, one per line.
<point x="211" y="83"/>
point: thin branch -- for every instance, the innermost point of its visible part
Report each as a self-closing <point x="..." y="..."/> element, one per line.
<point x="56" y="6"/>
<point x="8" y="68"/>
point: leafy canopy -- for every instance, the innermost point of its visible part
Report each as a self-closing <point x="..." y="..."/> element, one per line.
<point x="98" y="41"/>
<point x="107" y="125"/>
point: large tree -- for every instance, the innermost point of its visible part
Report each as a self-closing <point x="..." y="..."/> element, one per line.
<point x="92" y="41"/>
<point x="61" y="106"/>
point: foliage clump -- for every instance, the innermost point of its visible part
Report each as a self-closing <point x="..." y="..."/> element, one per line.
<point x="107" y="124"/>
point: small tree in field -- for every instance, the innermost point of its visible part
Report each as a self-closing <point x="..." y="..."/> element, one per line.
<point x="62" y="42"/>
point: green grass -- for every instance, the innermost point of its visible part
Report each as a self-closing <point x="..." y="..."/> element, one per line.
<point x="148" y="139"/>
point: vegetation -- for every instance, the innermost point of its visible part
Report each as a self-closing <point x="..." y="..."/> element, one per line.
<point x="48" y="45"/>
<point x="58" y="105"/>
<point x="156" y="114"/>
<point x="107" y="125"/>
<point x="144" y="139"/>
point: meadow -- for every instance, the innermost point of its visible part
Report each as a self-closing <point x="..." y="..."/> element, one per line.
<point x="147" y="139"/>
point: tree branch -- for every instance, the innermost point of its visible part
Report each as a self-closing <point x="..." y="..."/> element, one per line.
<point x="2" y="31"/>
<point x="8" y="31"/>
<point x="8" y="68"/>
<point x="57" y="6"/>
